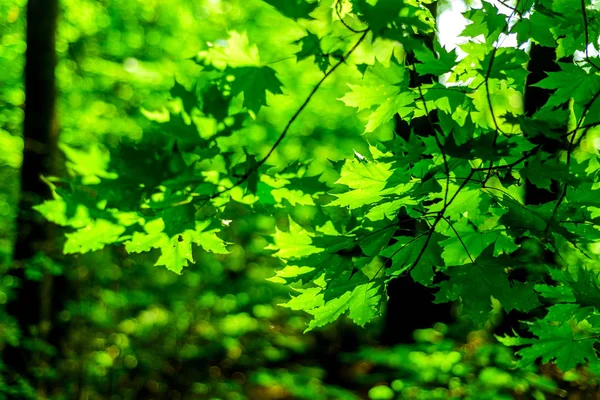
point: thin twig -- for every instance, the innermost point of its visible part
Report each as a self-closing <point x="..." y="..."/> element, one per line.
<point x="285" y="131"/>
<point x="459" y="239"/>
<point x="514" y="163"/>
<point x="437" y="141"/>
<point x="489" y="96"/>
<point x="584" y="126"/>
<point x="439" y="217"/>
<point x="569" y="152"/>
<point x="337" y="7"/>
<point x="514" y="9"/>
<point x="359" y="239"/>
<point x="396" y="252"/>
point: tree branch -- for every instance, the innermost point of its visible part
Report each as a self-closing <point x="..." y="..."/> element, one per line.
<point x="285" y="131"/>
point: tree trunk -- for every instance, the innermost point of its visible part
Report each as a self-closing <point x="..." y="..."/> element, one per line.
<point x="542" y="61"/>
<point x="33" y="305"/>
<point x="401" y="319"/>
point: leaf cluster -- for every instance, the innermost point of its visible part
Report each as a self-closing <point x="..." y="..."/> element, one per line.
<point x="461" y="178"/>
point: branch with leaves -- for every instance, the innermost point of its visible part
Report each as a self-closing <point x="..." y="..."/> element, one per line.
<point x="461" y="178"/>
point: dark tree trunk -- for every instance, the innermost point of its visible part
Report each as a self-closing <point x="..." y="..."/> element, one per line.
<point x="410" y="305"/>
<point x="33" y="306"/>
<point x="542" y="61"/>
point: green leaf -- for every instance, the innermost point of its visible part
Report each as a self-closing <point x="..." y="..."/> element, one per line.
<point x="486" y="21"/>
<point x="364" y="303"/>
<point x="176" y="253"/>
<point x="465" y="238"/>
<point x="208" y="239"/>
<point x="405" y="252"/>
<point x="385" y="89"/>
<point x="254" y="82"/>
<point x="379" y="15"/>
<point x="362" y="300"/>
<point x="311" y="47"/>
<point x="92" y="237"/>
<point x="571" y="82"/>
<point x="308" y="299"/>
<point x="176" y="244"/>
<point x="542" y="173"/>
<point x="378" y="84"/>
<point x="294" y="9"/>
<point x="475" y="284"/>
<point x="400" y="103"/>
<point x="540" y="29"/>
<point x="295" y="243"/>
<point x="374" y="242"/>
<point x="557" y="342"/>
<point x="63" y="214"/>
<point x="188" y="97"/>
<point x="366" y="181"/>
<point x="430" y="64"/>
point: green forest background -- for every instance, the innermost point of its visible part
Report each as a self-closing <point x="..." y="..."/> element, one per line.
<point x="132" y="330"/>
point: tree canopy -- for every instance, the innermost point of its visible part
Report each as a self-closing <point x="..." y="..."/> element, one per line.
<point x="351" y="144"/>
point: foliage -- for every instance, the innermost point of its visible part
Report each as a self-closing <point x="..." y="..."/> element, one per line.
<point x="461" y="178"/>
<point x="436" y="368"/>
<point x="244" y="137"/>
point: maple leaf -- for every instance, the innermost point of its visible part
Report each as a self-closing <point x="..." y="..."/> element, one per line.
<point x="430" y="64"/>
<point x="294" y="9"/>
<point x="384" y="88"/>
<point x="188" y="97"/>
<point x="176" y="253"/>
<point x="378" y="16"/>
<point x="295" y="243"/>
<point x="174" y="234"/>
<point x="400" y="103"/>
<point x="362" y="301"/>
<point x="542" y="173"/>
<point x="407" y="250"/>
<point x="465" y="238"/>
<point x="443" y="193"/>
<point x="486" y="21"/>
<point x="365" y="179"/>
<point x="94" y="236"/>
<point x="476" y="283"/>
<point x="254" y="82"/>
<point x="557" y="342"/>
<point x="378" y="84"/>
<point x="311" y="47"/>
<point x="571" y="82"/>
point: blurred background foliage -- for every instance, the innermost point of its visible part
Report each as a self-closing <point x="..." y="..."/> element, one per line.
<point x="132" y="330"/>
